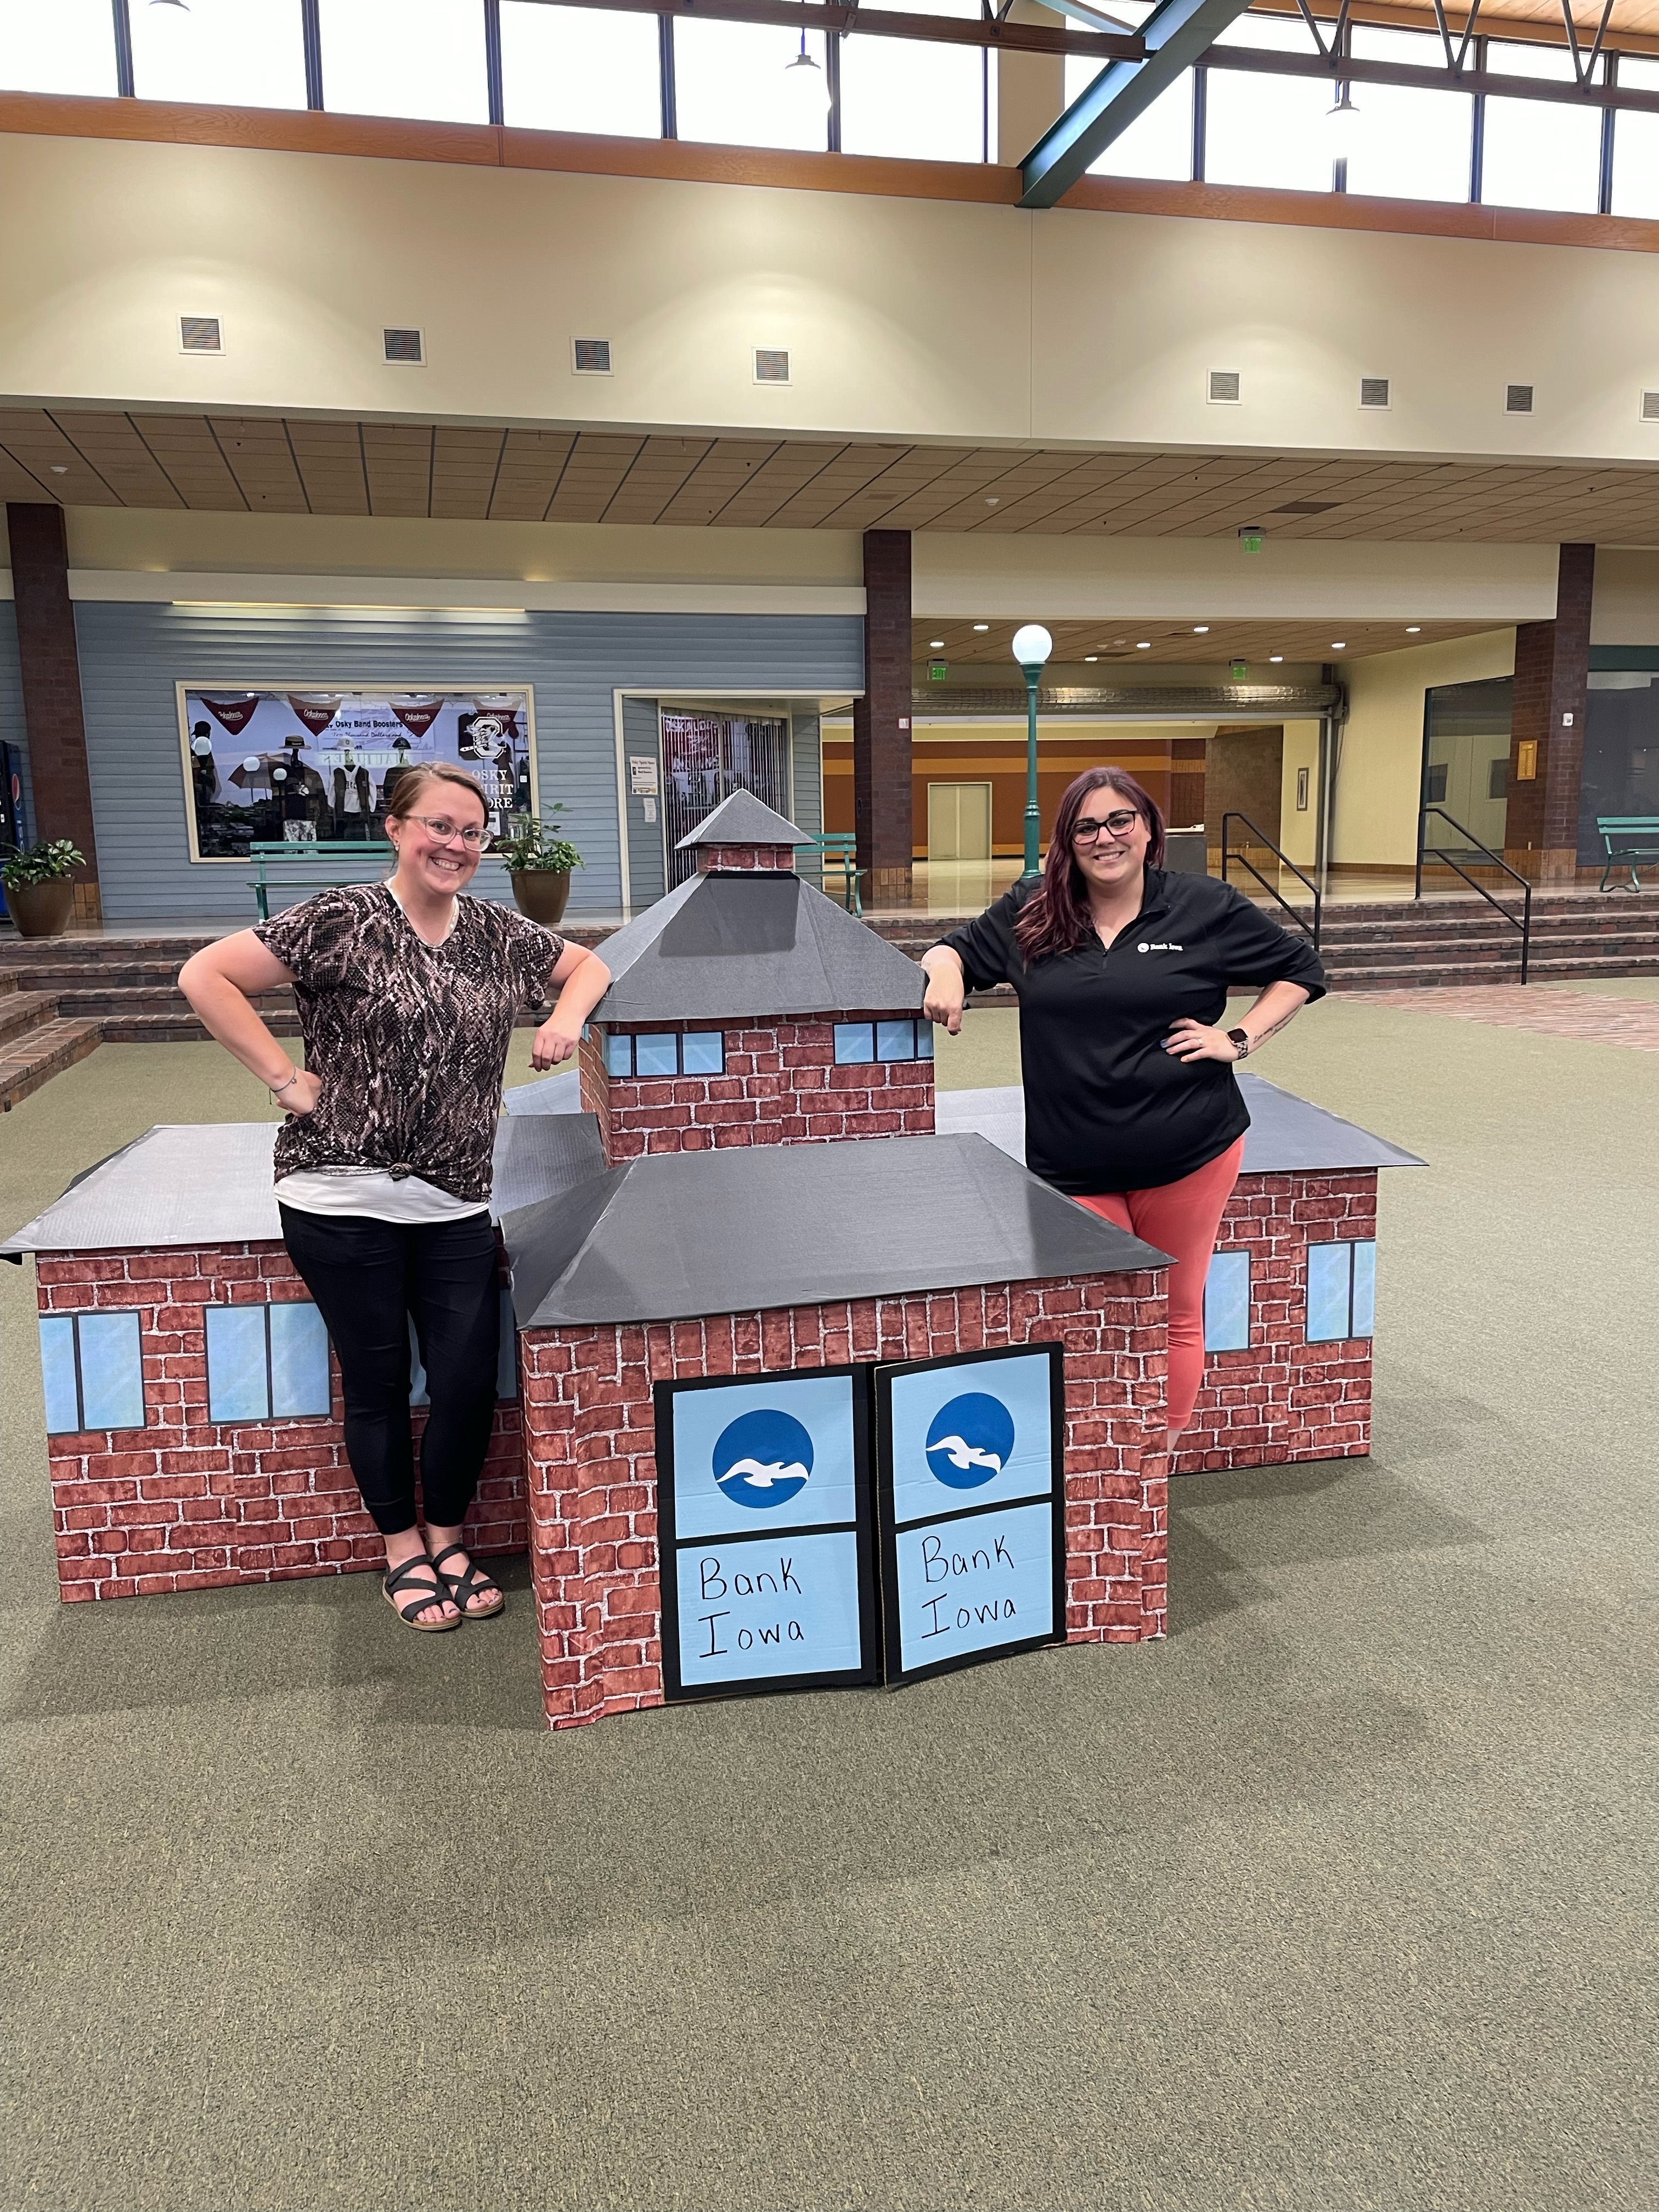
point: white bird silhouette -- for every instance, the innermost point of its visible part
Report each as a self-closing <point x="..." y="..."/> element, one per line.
<point x="965" y="1455"/>
<point x="763" y="1475"/>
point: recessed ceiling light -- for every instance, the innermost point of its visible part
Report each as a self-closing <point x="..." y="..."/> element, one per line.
<point x="1091" y="656"/>
<point x="1275" y="656"/>
<point x="934" y="643"/>
<point x="993" y="503"/>
<point x="1339" y="645"/>
<point x="1413" y="630"/>
<point x="982" y="625"/>
<point x="1143" y="645"/>
<point x="60" y="468"/>
<point x="1120" y="640"/>
<point x="1201" y="629"/>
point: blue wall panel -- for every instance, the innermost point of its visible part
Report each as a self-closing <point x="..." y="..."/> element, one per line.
<point x="132" y="656"/>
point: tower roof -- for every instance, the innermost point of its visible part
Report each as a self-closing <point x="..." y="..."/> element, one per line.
<point x="751" y="946"/>
<point x="743" y="819"/>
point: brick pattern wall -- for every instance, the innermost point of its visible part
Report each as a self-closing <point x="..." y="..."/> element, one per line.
<point x="881" y="721"/>
<point x="745" y="860"/>
<point x="590" y="1442"/>
<point x="49" y="668"/>
<point x="188" y="1504"/>
<point x="1552" y="673"/>
<point x="781" y="1086"/>
<point x="1284" y="1399"/>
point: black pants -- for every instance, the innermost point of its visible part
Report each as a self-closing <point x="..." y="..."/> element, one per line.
<point x="369" y="1279"/>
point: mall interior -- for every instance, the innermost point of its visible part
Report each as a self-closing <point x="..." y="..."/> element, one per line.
<point x="645" y="405"/>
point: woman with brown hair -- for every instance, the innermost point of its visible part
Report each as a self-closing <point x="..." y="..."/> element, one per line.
<point x="1121" y="970"/>
<point x="407" y="993"/>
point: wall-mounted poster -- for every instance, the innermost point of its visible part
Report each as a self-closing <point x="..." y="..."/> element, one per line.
<point x="764" y="1523"/>
<point x="971" y="1476"/>
<point x="286" y="762"/>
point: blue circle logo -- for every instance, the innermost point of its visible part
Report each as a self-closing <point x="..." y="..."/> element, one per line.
<point x="763" y="1459"/>
<point x="971" y="1440"/>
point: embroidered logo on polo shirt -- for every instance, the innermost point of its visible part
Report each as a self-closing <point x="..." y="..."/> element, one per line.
<point x="1160" y="948"/>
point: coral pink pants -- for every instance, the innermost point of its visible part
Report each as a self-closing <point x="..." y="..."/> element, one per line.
<point x="1182" y="1219"/>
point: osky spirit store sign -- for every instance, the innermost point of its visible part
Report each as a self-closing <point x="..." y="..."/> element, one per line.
<point x="293" y="764"/>
<point x="859" y="1524"/>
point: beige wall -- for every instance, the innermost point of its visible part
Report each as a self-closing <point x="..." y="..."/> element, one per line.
<point x="1298" y="832"/>
<point x="1379" y="778"/>
<point x="906" y="318"/>
<point x="1626" y="608"/>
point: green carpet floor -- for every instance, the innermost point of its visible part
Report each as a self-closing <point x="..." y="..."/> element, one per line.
<point x="1340" y="1898"/>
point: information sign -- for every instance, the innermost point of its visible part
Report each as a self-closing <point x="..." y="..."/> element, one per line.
<point x="765" y="1521"/>
<point x="970" y="1474"/>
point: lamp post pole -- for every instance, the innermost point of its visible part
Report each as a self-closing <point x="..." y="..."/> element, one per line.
<point x="1032" y="646"/>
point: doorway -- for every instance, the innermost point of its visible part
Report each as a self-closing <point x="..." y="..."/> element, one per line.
<point x="1466" y="762"/>
<point x="705" y="758"/>
<point x="959" y="821"/>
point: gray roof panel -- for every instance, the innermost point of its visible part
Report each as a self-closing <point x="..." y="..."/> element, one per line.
<point x="746" y="947"/>
<point x="676" y="1235"/>
<point x="743" y="819"/>
<point x="1285" y="1132"/>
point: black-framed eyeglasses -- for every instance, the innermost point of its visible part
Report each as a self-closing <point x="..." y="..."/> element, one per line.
<point x="1087" y="832"/>
<point x="447" y="832"/>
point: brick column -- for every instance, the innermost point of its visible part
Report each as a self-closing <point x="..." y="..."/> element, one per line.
<point x="881" y="721"/>
<point x="51" y="690"/>
<point x="1552" y="670"/>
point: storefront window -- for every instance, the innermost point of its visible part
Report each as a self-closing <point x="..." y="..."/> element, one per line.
<point x="1620" y="772"/>
<point x="294" y="766"/>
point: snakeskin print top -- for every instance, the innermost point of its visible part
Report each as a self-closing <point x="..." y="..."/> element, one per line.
<point x="410" y="1039"/>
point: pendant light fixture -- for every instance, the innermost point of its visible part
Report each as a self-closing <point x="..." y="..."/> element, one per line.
<point x="805" y="88"/>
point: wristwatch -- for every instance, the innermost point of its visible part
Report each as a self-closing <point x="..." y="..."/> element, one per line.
<point x="1242" y="1039"/>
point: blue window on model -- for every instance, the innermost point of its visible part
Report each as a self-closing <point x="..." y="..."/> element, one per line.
<point x="266" y="1361"/>
<point x="1341" y="1290"/>
<point x="1227" y="1303"/>
<point x="92" y="1364"/>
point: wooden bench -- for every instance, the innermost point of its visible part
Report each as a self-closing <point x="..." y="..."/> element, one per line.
<point x="1628" y="839"/>
<point x="311" y="863"/>
<point x="839" y="849"/>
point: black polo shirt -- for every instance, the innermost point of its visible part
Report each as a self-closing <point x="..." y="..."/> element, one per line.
<point x="1106" y="1108"/>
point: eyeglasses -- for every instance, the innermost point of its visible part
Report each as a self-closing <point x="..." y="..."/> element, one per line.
<point x="1087" y="832"/>
<point x="447" y="832"/>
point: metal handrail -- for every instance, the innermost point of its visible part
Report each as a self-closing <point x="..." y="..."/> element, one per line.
<point x="1522" y="921"/>
<point x="1272" y="891"/>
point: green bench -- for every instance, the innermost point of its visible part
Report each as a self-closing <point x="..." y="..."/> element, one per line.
<point x="839" y="849"/>
<point x="311" y="863"/>
<point x="1627" y="840"/>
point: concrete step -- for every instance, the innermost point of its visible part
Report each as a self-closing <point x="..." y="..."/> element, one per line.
<point x="95" y="1000"/>
<point x="33" y="1060"/>
<point x="1394" y="976"/>
<point x="22" y="1011"/>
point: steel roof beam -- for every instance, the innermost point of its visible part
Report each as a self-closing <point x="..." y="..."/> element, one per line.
<point x="1175" y="35"/>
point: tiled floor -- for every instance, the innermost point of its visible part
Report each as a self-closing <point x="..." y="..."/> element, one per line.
<point x="1591" y="1016"/>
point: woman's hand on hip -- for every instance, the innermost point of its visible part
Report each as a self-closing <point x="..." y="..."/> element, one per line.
<point x="1189" y="1040"/>
<point x="554" y="1041"/>
<point x="300" y="1096"/>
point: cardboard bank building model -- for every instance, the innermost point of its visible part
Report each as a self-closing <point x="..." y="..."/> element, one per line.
<point x="808" y="1380"/>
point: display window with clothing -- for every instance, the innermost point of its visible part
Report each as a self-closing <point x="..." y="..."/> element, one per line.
<point x="408" y="993"/>
<point x="1121" y="969"/>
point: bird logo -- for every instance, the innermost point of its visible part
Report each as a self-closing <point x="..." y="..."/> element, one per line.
<point x="971" y="1440"/>
<point x="763" y="1459"/>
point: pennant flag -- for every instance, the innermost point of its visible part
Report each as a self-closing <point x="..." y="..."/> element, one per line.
<point x="233" y="714"/>
<point x="317" y="710"/>
<point x="417" y="716"/>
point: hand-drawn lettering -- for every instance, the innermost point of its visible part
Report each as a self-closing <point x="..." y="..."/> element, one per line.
<point x="786" y="1568"/>
<point x="940" y="1628"/>
<point x="713" y="1581"/>
<point x="714" y="1650"/>
<point x="932" y="1557"/>
<point x="1004" y="1553"/>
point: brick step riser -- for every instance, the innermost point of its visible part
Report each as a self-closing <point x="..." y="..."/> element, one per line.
<point x="151" y="998"/>
<point x="43" y="1055"/>
<point x="20" y="1012"/>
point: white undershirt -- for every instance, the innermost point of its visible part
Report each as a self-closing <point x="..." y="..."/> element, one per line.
<point x="371" y="1191"/>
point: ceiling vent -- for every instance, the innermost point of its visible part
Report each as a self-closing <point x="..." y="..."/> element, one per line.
<point x="771" y="365"/>
<point x="404" y="349"/>
<point x="200" y="334"/>
<point x="590" y="357"/>
<point x="1226" y="387"/>
<point x="1518" y="400"/>
<point x="1373" y="390"/>
<point x="1309" y="507"/>
<point x="1650" y="406"/>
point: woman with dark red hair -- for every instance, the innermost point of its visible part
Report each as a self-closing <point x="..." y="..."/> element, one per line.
<point x="1121" y="970"/>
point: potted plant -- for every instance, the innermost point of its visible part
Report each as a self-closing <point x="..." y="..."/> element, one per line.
<point x="39" y="893"/>
<point x="538" y="864"/>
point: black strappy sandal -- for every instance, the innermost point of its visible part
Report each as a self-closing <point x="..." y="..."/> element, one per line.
<point x="471" y="1582"/>
<point x="426" y="1593"/>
